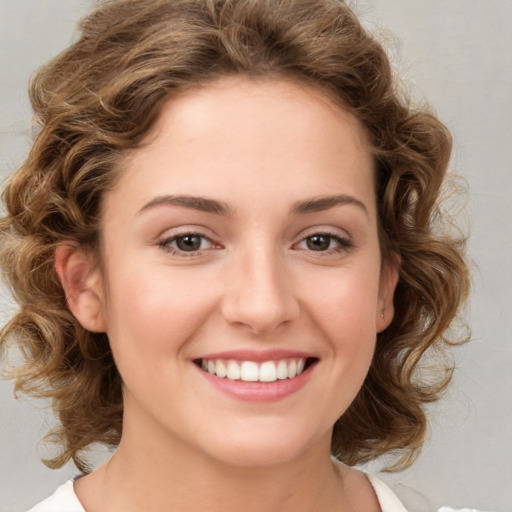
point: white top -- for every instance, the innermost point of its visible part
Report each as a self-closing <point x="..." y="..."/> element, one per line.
<point x="64" y="499"/>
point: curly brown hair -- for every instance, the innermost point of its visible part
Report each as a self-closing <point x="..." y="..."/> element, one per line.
<point x="100" y="97"/>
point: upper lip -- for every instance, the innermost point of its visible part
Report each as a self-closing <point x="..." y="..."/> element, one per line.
<point x="257" y="355"/>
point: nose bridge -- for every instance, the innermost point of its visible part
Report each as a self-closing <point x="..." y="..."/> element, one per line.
<point x="259" y="294"/>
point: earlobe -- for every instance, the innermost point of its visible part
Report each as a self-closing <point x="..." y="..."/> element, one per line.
<point x="388" y="281"/>
<point x="82" y="284"/>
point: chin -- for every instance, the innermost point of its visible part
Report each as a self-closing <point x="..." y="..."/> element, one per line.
<point x="256" y="448"/>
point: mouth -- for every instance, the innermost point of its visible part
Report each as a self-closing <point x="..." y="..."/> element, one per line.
<point x="256" y="371"/>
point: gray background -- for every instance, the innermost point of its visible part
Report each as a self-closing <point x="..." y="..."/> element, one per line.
<point x="457" y="53"/>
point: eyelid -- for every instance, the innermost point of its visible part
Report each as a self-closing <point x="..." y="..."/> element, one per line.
<point x="345" y="241"/>
<point x="189" y="229"/>
<point x="325" y="230"/>
<point x="171" y="235"/>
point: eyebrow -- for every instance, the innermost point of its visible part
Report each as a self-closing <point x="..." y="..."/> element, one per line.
<point x="319" y="204"/>
<point x="201" y="204"/>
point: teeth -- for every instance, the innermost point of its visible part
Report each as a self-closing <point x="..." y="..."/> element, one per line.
<point x="282" y="370"/>
<point x="292" y="369"/>
<point x="220" y="369"/>
<point x="233" y="372"/>
<point x="250" y="371"/>
<point x="268" y="372"/>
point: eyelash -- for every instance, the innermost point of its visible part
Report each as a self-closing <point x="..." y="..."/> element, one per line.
<point x="342" y="244"/>
<point x="165" y="244"/>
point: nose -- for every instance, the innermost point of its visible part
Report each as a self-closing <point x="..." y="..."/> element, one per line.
<point x="259" y="293"/>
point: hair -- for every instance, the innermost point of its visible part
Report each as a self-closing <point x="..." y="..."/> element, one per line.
<point x="98" y="100"/>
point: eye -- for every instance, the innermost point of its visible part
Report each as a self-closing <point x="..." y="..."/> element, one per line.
<point x="325" y="242"/>
<point x="189" y="243"/>
<point x="319" y="242"/>
<point x="186" y="243"/>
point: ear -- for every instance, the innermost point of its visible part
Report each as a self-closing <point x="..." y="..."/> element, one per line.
<point x="83" y="286"/>
<point x="388" y="281"/>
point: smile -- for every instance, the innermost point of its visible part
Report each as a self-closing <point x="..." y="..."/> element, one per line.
<point x="252" y="371"/>
<point x="257" y="376"/>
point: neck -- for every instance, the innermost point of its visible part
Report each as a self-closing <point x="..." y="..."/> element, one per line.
<point x="154" y="470"/>
<point x="153" y="474"/>
<point x="169" y="480"/>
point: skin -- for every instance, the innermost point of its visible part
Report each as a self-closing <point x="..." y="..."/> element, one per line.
<point x="259" y="148"/>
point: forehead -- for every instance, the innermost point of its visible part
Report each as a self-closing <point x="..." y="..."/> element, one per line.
<point x="248" y="103"/>
<point x="234" y="137"/>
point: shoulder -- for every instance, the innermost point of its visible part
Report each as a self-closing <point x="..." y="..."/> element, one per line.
<point x="62" y="500"/>
<point x="366" y="491"/>
<point x="388" y="500"/>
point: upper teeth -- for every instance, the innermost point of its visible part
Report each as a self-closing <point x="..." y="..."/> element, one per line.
<point x="250" y="371"/>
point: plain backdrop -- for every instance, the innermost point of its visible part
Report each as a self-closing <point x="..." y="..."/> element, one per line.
<point x="456" y="53"/>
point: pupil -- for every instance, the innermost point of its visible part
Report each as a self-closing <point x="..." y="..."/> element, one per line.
<point x="318" y="242"/>
<point x="188" y="243"/>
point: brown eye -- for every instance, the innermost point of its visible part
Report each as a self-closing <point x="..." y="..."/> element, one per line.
<point x="188" y="243"/>
<point x="318" y="242"/>
<point x="325" y="244"/>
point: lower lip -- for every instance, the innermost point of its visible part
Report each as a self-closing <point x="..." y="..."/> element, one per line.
<point x="258" y="391"/>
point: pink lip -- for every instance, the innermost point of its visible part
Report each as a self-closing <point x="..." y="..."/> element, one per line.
<point x="256" y="391"/>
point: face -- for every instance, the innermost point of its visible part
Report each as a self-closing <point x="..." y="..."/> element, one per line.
<point x="242" y="281"/>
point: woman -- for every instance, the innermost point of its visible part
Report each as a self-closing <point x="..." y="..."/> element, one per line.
<point x="229" y="259"/>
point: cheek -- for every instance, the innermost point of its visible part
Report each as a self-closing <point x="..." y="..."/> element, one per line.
<point x="154" y="314"/>
<point x="341" y="310"/>
<point x="345" y="302"/>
